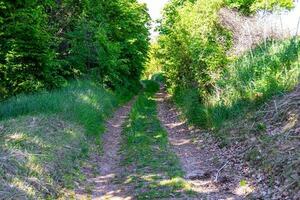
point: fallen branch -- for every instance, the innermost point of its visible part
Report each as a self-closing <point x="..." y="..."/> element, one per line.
<point x="217" y="175"/>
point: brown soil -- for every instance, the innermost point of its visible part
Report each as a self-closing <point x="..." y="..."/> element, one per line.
<point x="271" y="145"/>
<point x="211" y="175"/>
<point x="104" y="186"/>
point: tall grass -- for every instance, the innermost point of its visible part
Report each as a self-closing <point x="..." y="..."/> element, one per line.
<point x="43" y="144"/>
<point x="269" y="69"/>
<point x="84" y="102"/>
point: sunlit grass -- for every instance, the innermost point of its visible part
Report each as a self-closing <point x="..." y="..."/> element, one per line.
<point x="245" y="84"/>
<point x="38" y="160"/>
<point x="46" y="137"/>
<point x="84" y="102"/>
<point x="157" y="171"/>
<point x="178" y="183"/>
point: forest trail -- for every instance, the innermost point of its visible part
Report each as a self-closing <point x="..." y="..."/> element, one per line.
<point x="104" y="185"/>
<point x="200" y="159"/>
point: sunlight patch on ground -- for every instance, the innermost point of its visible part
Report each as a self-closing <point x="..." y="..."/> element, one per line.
<point x="244" y="189"/>
<point x="176" y="183"/>
<point x="181" y="142"/>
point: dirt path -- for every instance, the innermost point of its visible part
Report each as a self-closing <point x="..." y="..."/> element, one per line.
<point x="200" y="157"/>
<point x="104" y="185"/>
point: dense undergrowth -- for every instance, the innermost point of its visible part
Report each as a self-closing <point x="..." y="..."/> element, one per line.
<point x="45" y="43"/>
<point x="45" y="137"/>
<point x="269" y="69"/>
<point x="157" y="173"/>
<point x="208" y="84"/>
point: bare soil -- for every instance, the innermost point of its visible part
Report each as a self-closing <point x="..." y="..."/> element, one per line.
<point x="211" y="175"/>
<point x="107" y="166"/>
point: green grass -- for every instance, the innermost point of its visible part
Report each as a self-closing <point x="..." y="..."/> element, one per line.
<point x="46" y="137"/>
<point x="254" y="78"/>
<point x="157" y="171"/>
<point x="84" y="102"/>
<point x="40" y="157"/>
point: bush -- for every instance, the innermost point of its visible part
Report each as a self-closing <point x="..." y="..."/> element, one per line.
<point x="245" y="84"/>
<point x="249" y="6"/>
<point x="206" y="83"/>
<point x="45" y="43"/>
<point x="193" y="48"/>
<point x="150" y="86"/>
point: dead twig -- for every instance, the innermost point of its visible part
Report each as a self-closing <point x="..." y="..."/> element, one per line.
<point x="218" y="172"/>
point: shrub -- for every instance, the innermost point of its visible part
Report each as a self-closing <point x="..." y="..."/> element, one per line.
<point x="193" y="48"/>
<point x="249" y="6"/>
<point x="45" y="43"/>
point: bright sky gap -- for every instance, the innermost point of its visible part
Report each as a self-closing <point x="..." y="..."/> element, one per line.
<point x="290" y="19"/>
<point x="155" y="7"/>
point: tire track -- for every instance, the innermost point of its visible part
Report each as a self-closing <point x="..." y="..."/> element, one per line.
<point x="196" y="156"/>
<point x="104" y="185"/>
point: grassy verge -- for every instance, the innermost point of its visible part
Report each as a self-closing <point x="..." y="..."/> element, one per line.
<point x="40" y="156"/>
<point x="45" y="138"/>
<point x="252" y="107"/>
<point x="270" y="69"/>
<point x="153" y="170"/>
<point x="84" y="102"/>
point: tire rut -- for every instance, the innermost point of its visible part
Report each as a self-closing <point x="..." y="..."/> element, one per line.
<point x="108" y="169"/>
<point x="197" y="156"/>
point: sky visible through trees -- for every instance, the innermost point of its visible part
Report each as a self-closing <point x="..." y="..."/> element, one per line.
<point x="155" y="7"/>
<point x="290" y="19"/>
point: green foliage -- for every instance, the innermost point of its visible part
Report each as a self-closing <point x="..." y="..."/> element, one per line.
<point x="268" y="70"/>
<point x="193" y="46"/>
<point x="153" y="64"/>
<point x="205" y="82"/>
<point x="27" y="61"/>
<point x="249" y="6"/>
<point x="158" y="77"/>
<point x="84" y="102"/>
<point x="150" y="86"/>
<point x="44" y="43"/>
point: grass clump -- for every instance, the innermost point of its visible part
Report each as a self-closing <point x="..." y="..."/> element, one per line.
<point x="157" y="171"/>
<point x="270" y="69"/>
